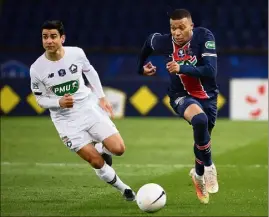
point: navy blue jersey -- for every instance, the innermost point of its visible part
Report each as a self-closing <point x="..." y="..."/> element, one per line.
<point x="197" y="59"/>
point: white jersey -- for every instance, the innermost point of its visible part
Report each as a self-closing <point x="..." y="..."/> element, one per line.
<point x="50" y="80"/>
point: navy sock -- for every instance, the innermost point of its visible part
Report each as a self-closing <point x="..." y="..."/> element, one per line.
<point x="199" y="165"/>
<point x="202" y="138"/>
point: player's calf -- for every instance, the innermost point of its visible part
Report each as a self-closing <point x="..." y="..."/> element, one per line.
<point x="91" y="155"/>
<point x="202" y="137"/>
<point x="104" y="171"/>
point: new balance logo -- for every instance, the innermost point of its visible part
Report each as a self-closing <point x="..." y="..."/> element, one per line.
<point x="51" y="75"/>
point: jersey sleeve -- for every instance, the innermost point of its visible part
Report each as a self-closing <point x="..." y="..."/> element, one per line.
<point x="91" y="76"/>
<point x="209" y="45"/>
<point x="209" y="55"/>
<point x="39" y="91"/>
<point x="152" y="44"/>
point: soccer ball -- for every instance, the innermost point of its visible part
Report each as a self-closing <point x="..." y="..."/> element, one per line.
<point x="151" y="197"/>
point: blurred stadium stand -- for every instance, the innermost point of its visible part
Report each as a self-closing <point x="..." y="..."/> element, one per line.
<point x="112" y="32"/>
<point x="110" y="25"/>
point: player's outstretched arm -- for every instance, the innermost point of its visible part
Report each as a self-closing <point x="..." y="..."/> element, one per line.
<point x="39" y="90"/>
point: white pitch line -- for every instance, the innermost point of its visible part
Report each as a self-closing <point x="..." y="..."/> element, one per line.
<point x="5" y="163"/>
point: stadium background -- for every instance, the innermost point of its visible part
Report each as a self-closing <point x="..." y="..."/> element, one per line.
<point x="112" y="33"/>
<point x="40" y="177"/>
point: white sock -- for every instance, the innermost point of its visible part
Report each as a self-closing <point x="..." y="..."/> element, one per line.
<point x="198" y="177"/>
<point x="107" y="151"/>
<point x="209" y="167"/>
<point x="109" y="175"/>
<point x="99" y="147"/>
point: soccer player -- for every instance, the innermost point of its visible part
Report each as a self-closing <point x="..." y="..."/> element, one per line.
<point x="191" y="61"/>
<point x="57" y="83"/>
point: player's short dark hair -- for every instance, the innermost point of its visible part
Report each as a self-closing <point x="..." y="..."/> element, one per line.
<point x="54" y="24"/>
<point x="179" y="14"/>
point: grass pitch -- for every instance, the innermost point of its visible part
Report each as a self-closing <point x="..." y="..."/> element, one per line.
<point x="41" y="177"/>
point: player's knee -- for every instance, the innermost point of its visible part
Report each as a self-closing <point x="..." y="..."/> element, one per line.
<point x="119" y="148"/>
<point x="115" y="144"/>
<point x="199" y="121"/>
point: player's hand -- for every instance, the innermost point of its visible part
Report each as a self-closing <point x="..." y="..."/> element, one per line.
<point x="149" y="69"/>
<point x="105" y="105"/>
<point x="67" y="101"/>
<point x="173" y="67"/>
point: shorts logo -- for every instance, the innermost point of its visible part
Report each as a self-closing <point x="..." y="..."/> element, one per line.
<point x="67" y="87"/>
<point x="210" y="45"/>
<point x="67" y="141"/>
<point x="180" y="100"/>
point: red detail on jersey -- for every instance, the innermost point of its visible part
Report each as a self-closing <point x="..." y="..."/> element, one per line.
<point x="192" y="85"/>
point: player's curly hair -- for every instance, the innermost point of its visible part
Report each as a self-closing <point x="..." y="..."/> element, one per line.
<point x="179" y="14"/>
<point x="54" y="24"/>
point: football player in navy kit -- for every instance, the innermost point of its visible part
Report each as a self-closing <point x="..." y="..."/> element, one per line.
<point x="191" y="61"/>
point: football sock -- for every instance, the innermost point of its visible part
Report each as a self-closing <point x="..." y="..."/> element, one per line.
<point x="99" y="147"/>
<point x="109" y="175"/>
<point x="202" y="137"/>
<point x="107" y="151"/>
<point x="199" y="165"/>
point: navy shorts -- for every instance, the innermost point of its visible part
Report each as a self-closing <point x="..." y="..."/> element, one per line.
<point x="209" y="106"/>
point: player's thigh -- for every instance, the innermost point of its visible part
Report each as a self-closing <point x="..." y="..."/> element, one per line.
<point x="102" y="130"/>
<point x="102" y="127"/>
<point x="107" y="133"/>
<point x="187" y="107"/>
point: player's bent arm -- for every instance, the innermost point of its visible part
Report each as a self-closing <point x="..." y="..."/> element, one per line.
<point x="150" y="45"/>
<point x="209" y="55"/>
<point x="92" y="76"/>
<point x="39" y="90"/>
<point x="207" y="70"/>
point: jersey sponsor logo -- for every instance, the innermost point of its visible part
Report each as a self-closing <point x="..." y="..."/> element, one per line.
<point x="191" y="61"/>
<point x="68" y="87"/>
<point x="210" y="45"/>
<point x="51" y="75"/>
<point x="62" y="72"/>
<point x="73" y="68"/>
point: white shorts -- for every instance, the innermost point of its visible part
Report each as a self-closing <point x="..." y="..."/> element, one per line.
<point x="92" y="126"/>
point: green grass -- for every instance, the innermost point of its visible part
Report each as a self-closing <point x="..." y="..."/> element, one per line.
<point x="157" y="150"/>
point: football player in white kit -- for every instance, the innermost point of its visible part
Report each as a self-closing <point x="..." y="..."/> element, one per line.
<point x="82" y="122"/>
